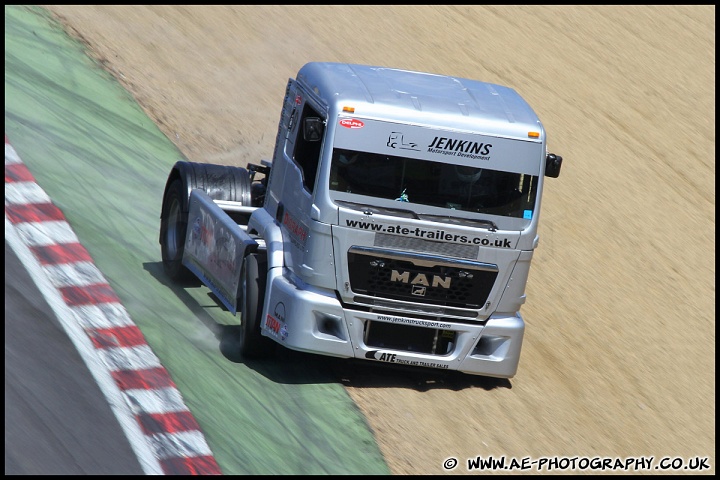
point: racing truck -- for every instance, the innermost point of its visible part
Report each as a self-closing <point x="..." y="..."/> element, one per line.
<point x="396" y="221"/>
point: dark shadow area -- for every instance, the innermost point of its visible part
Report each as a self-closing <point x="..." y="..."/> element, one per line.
<point x="179" y="289"/>
<point x="368" y="374"/>
<point x="292" y="367"/>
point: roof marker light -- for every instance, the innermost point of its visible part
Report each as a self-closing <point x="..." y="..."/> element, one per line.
<point x="533" y="134"/>
<point x="349" y="109"/>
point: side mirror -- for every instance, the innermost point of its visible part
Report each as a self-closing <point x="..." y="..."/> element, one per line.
<point x="552" y="165"/>
<point x="312" y="129"/>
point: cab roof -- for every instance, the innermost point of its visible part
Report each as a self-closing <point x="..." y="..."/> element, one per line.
<point x="421" y="98"/>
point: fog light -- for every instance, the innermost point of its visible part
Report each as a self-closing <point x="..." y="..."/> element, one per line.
<point x="492" y="346"/>
<point x="330" y="325"/>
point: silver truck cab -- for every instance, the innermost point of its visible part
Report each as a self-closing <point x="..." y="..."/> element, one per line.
<point x="396" y="222"/>
<point x="400" y="218"/>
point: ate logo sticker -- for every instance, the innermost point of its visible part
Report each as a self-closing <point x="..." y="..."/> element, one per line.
<point x="351" y="123"/>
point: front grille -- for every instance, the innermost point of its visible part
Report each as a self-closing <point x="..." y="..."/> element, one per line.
<point x="420" y="278"/>
<point x="421" y="245"/>
<point x="409" y="338"/>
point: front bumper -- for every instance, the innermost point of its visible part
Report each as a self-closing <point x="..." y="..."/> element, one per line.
<point x="314" y="321"/>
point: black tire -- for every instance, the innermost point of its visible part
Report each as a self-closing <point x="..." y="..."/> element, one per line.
<point x="253" y="278"/>
<point x="173" y="227"/>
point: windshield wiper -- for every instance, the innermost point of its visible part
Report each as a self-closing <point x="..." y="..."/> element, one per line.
<point x="370" y="209"/>
<point x="492" y="226"/>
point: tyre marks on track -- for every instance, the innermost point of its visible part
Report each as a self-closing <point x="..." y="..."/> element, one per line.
<point x="162" y="431"/>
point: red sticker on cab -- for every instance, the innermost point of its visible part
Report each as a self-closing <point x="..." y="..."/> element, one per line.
<point x="351" y="123"/>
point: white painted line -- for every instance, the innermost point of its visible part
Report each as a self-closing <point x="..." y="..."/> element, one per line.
<point x="106" y="315"/>
<point x="180" y="445"/>
<point x="140" y="357"/>
<point x="42" y="234"/>
<point x="79" y="274"/>
<point x="11" y="156"/>
<point x="157" y="400"/>
<point x="21" y="193"/>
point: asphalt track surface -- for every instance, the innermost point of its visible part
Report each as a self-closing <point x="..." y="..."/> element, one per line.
<point x="103" y="162"/>
<point x="145" y="400"/>
<point x="57" y="421"/>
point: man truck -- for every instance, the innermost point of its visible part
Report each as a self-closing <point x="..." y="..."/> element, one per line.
<point x="395" y="223"/>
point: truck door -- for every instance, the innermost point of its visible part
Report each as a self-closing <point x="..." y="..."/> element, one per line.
<point x="288" y="120"/>
<point x="298" y="162"/>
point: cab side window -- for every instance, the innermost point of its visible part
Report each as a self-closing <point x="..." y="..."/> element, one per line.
<point x="308" y="145"/>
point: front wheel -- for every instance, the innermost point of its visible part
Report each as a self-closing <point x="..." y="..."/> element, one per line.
<point x="252" y="287"/>
<point x="173" y="227"/>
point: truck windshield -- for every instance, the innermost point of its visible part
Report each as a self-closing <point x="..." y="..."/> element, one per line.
<point x="435" y="184"/>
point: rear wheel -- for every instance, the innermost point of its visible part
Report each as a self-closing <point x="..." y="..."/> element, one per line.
<point x="173" y="226"/>
<point x="252" y="287"/>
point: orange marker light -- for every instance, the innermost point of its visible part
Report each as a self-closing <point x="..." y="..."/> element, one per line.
<point x="533" y="134"/>
<point x="349" y="109"/>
